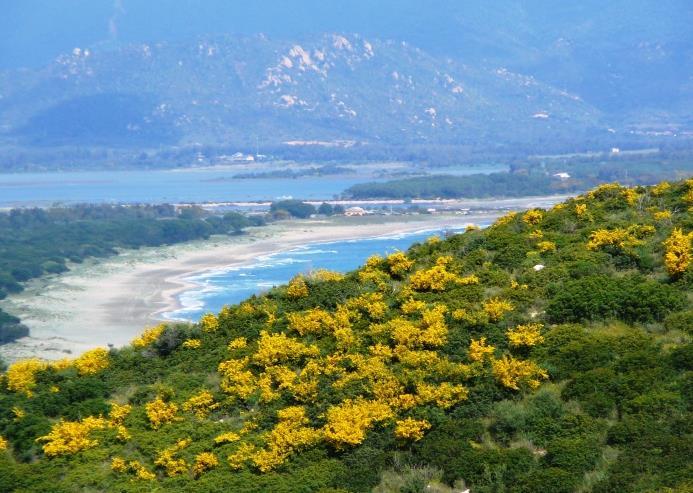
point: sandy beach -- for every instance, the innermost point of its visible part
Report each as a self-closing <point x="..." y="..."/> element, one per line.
<point x="110" y="301"/>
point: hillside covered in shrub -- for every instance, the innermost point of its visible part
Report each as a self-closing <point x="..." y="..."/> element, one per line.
<point x="550" y="352"/>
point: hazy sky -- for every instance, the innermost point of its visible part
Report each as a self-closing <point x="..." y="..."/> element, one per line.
<point x="32" y="32"/>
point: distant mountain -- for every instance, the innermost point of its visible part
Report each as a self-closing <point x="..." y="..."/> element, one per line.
<point x="335" y="89"/>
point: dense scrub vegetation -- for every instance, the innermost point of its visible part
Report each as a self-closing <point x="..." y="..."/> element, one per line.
<point x="548" y="353"/>
<point x="34" y="242"/>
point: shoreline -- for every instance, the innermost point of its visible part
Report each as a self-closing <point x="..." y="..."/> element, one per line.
<point x="110" y="301"/>
<point x="186" y="283"/>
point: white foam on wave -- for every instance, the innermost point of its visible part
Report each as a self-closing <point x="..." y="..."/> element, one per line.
<point x="207" y="284"/>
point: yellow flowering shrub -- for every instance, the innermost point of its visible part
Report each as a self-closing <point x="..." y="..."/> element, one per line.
<point x="436" y="278"/>
<point x="266" y="388"/>
<point x="92" y="362"/>
<point x="412" y="306"/>
<point x="277" y="348"/>
<point x="160" y="412"/>
<point x="620" y="238"/>
<point x="118" y="464"/>
<point x="662" y="215"/>
<point x="118" y="413"/>
<point x="373" y="262"/>
<point x="149" y="336"/>
<point x="167" y="460"/>
<point x="533" y="217"/>
<point x="444" y="260"/>
<point x="201" y="404"/>
<point x="660" y="188"/>
<point x="192" y="344"/>
<point x="434" y="331"/>
<point x="546" y="246"/>
<point x="324" y="275"/>
<point x="312" y="321"/>
<point x="241" y="455"/>
<point x="506" y="219"/>
<point x="411" y="429"/>
<point x="580" y="210"/>
<point x="122" y="433"/>
<point x="525" y="335"/>
<point x="236" y="379"/>
<point x="688" y="197"/>
<point x="228" y="437"/>
<point x="245" y="309"/>
<point x="140" y="471"/>
<point x="605" y="191"/>
<point x="370" y="303"/>
<point x="289" y="435"/>
<point x="470" y="317"/>
<point x="204" y="461"/>
<point x="537" y="234"/>
<point x="297" y="288"/>
<point x="431" y="331"/>
<point x="348" y="422"/>
<point x="237" y="343"/>
<point x="377" y="277"/>
<point x="433" y="240"/>
<point x="18" y="412"/>
<point x="21" y="376"/>
<point x="3" y="443"/>
<point x="61" y="364"/>
<point x="467" y="280"/>
<point x="631" y="195"/>
<point x="70" y="437"/>
<point x="399" y="264"/>
<point x="209" y="322"/>
<point x="495" y="308"/>
<point x="677" y="252"/>
<point x="512" y="373"/>
<point x="445" y="394"/>
<point x="516" y="285"/>
<point x="480" y="351"/>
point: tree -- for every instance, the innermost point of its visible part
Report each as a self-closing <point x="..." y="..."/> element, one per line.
<point x="295" y="208"/>
<point x="325" y="209"/>
<point x="235" y="222"/>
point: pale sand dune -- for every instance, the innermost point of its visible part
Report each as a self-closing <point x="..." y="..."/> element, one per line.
<point x="110" y="301"/>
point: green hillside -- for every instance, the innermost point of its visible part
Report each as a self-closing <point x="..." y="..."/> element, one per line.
<point x="550" y="352"/>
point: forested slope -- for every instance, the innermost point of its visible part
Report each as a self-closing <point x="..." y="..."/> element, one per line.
<point x="37" y="242"/>
<point x="548" y="353"/>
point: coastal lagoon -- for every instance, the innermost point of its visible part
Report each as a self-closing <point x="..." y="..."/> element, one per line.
<point x="214" y="184"/>
<point x="217" y="288"/>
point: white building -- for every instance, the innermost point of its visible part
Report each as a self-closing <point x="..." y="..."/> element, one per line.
<point x="355" y="211"/>
<point x="239" y="157"/>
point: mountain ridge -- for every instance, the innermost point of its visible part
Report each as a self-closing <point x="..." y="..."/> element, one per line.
<point x="330" y="87"/>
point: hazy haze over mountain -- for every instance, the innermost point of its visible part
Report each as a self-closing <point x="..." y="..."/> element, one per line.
<point x="589" y="67"/>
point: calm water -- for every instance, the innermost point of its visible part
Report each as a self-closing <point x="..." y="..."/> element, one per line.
<point x="157" y="187"/>
<point x="233" y="285"/>
<point x="172" y="186"/>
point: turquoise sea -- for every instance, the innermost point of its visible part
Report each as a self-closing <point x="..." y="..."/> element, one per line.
<point x="228" y="286"/>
